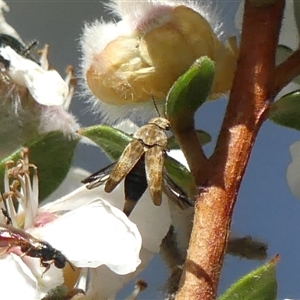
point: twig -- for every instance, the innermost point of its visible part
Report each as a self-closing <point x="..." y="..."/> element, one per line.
<point x="192" y="150"/>
<point x="286" y="71"/>
<point x="245" y="113"/>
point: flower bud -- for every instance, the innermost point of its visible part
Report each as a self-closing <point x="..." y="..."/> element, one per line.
<point x="149" y="49"/>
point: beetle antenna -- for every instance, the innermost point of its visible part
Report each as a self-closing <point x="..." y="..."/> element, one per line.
<point x="155" y="105"/>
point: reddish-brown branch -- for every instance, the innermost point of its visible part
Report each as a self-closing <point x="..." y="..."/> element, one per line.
<point x="245" y="113"/>
<point x="286" y="71"/>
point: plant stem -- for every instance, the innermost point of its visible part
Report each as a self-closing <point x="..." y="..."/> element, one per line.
<point x="192" y="150"/>
<point x="286" y="71"/>
<point x="246" y="111"/>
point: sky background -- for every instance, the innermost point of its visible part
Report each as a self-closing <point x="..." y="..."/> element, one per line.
<point x="265" y="209"/>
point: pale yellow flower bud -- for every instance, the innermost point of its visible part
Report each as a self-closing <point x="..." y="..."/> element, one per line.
<point x="136" y="65"/>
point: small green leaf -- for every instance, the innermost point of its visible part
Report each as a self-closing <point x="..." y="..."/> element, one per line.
<point x="203" y="136"/>
<point x="189" y="92"/>
<point x="52" y="153"/>
<point x="259" y="284"/>
<point x="286" y="111"/>
<point x="112" y="141"/>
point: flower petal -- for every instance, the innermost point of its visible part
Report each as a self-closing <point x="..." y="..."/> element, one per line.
<point x="70" y="183"/>
<point x="104" y="284"/>
<point x="179" y="156"/>
<point x="46" y="87"/>
<point x="94" y="235"/>
<point x="79" y="197"/>
<point x="46" y="281"/>
<point x="152" y="221"/>
<point x="17" y="282"/>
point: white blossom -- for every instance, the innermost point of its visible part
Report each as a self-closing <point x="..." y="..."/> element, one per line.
<point x="89" y="236"/>
<point x="45" y="86"/>
<point x="153" y="223"/>
<point x="34" y="100"/>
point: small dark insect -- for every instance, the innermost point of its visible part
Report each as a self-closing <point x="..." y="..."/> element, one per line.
<point x="30" y="246"/>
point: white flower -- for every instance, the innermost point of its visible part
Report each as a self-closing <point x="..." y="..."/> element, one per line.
<point x="153" y="223"/>
<point x="126" y="63"/>
<point x="90" y="236"/>
<point x="45" y="86"/>
<point x="34" y="100"/>
<point x="94" y="235"/>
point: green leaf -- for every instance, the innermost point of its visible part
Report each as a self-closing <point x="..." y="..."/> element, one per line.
<point x="203" y="136"/>
<point x="189" y="92"/>
<point x="52" y="153"/>
<point x="112" y="141"/>
<point x="259" y="284"/>
<point x="286" y="111"/>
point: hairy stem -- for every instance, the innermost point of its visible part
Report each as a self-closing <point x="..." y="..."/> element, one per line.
<point x="246" y="111"/>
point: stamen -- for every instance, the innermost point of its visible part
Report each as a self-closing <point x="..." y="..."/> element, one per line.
<point x="44" y="57"/>
<point x="70" y="80"/>
<point x="22" y="189"/>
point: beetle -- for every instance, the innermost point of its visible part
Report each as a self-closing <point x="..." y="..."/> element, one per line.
<point x="14" y="237"/>
<point x="150" y="142"/>
<point x="142" y="165"/>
